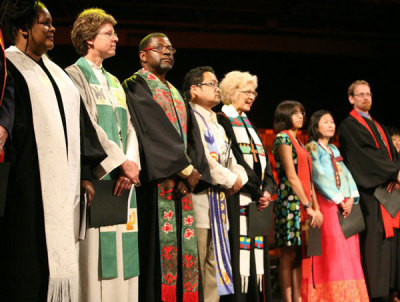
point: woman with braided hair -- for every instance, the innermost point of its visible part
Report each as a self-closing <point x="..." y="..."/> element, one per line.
<point x="39" y="259"/>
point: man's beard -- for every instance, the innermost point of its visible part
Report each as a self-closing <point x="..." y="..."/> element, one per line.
<point x="164" y="67"/>
<point x="366" y="107"/>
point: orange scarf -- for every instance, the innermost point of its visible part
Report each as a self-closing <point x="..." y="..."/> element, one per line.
<point x="304" y="173"/>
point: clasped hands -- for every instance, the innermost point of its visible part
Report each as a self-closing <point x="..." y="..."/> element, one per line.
<point x="129" y="175"/>
<point x="316" y="216"/>
<point x="187" y="185"/>
<point x="264" y="200"/>
<point x="347" y="205"/>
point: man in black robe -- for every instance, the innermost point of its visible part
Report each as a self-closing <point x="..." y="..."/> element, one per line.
<point x="165" y="155"/>
<point x="373" y="161"/>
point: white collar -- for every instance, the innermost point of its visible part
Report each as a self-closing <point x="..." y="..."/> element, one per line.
<point x="230" y="111"/>
<point x="94" y="66"/>
<point x="208" y="115"/>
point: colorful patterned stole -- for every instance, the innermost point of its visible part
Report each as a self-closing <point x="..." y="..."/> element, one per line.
<point x="169" y="99"/>
<point x="304" y="172"/>
<point x="218" y="218"/>
<point x="389" y="222"/>
<point x="253" y="152"/>
<point x="112" y="117"/>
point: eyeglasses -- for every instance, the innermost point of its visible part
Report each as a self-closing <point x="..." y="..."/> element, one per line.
<point x="363" y="95"/>
<point x="109" y="34"/>
<point x="250" y="92"/>
<point x="161" y="49"/>
<point x="212" y="85"/>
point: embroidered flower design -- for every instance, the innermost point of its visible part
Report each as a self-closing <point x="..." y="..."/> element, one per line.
<point x="166" y="190"/>
<point x="187" y="203"/>
<point x="179" y="106"/>
<point x="167" y="227"/>
<point x="151" y="77"/>
<point x="188" y="234"/>
<point x="168" y="215"/>
<point x="188" y="220"/>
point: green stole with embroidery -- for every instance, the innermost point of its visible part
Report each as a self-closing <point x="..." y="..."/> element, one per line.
<point x="114" y="121"/>
<point x="169" y="99"/>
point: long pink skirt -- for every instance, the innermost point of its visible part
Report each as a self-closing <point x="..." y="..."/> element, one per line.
<point x="337" y="273"/>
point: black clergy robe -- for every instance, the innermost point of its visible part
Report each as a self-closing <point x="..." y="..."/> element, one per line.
<point x="372" y="167"/>
<point x="7" y="102"/>
<point x="252" y="187"/>
<point x="24" y="271"/>
<point x="162" y="156"/>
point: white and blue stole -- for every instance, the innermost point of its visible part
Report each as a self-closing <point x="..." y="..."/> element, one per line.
<point x="219" y="225"/>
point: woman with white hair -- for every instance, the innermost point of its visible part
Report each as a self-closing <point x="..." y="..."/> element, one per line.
<point x="250" y="260"/>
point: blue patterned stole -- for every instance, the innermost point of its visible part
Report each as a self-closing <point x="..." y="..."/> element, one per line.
<point x="219" y="226"/>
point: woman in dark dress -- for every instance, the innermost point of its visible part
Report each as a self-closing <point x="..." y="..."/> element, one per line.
<point x="296" y="200"/>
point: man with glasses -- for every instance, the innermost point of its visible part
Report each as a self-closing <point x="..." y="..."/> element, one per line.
<point x="373" y="161"/>
<point x="172" y="156"/>
<point x="200" y="87"/>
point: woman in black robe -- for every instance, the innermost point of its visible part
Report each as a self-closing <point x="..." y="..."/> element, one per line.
<point x="238" y="90"/>
<point x="24" y="266"/>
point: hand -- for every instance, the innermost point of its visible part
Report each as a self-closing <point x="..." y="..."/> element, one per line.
<point x="3" y="137"/>
<point x="130" y="170"/>
<point x="193" y="179"/>
<point x="87" y="186"/>
<point x="235" y="187"/>
<point x="123" y="183"/>
<point x="264" y="200"/>
<point x="180" y="190"/>
<point x="347" y="205"/>
<point x="317" y="217"/>
<point x="392" y="186"/>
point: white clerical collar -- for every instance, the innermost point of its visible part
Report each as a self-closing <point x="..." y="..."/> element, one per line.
<point x="209" y="115"/>
<point x="94" y="65"/>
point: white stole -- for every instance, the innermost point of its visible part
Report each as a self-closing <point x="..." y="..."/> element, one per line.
<point x="59" y="171"/>
<point x="245" y="199"/>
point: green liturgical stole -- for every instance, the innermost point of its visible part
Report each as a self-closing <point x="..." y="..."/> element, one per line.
<point x="113" y="118"/>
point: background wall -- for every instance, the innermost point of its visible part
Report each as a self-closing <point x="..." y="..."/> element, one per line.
<point x="304" y="50"/>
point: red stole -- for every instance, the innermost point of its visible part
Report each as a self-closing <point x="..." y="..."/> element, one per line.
<point x="304" y="173"/>
<point x="389" y="222"/>
<point x="4" y="66"/>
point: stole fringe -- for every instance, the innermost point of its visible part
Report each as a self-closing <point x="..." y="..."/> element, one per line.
<point x="190" y="297"/>
<point x="168" y="293"/>
<point x="245" y="284"/>
<point x="260" y="281"/>
<point x="63" y="289"/>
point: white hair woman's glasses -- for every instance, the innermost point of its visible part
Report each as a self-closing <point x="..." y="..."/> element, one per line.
<point x="250" y="93"/>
